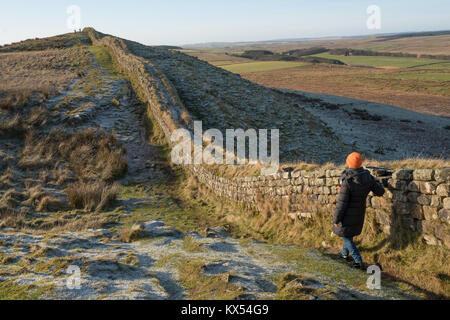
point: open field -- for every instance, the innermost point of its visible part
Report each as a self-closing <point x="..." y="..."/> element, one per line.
<point x="435" y="45"/>
<point x="217" y="59"/>
<point x="411" y="91"/>
<point x="413" y="83"/>
<point x="261" y="66"/>
<point x="380" y="61"/>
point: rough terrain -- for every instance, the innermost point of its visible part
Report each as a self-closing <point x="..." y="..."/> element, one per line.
<point x="151" y="268"/>
<point x="173" y="257"/>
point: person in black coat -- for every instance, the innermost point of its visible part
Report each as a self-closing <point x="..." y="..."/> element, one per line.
<point x="355" y="185"/>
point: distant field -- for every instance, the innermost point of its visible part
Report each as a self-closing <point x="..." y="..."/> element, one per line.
<point x="379" y="61"/>
<point x="216" y="58"/>
<point x="414" y="83"/>
<point x="418" y="45"/>
<point x="429" y="76"/>
<point x="261" y="66"/>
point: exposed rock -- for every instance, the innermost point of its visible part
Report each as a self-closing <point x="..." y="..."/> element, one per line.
<point x="442" y="175"/>
<point x="403" y="174"/>
<point x="423" y="174"/>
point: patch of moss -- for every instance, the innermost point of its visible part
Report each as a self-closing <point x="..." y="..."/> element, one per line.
<point x="164" y="261"/>
<point x="7" y="258"/>
<point x="55" y="266"/>
<point x="201" y="286"/>
<point x="105" y="60"/>
<point x="130" y="259"/>
<point x="9" y="290"/>
<point x="190" y="245"/>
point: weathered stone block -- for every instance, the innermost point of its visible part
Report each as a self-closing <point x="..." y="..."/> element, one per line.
<point x="443" y="190"/>
<point x="320" y="174"/>
<point x="320" y="182"/>
<point x="446" y="203"/>
<point x="417" y="212"/>
<point x="379" y="171"/>
<point x="397" y="184"/>
<point x="399" y="196"/>
<point x="423" y="174"/>
<point x="413" y="186"/>
<point x="442" y="232"/>
<point x="424" y="200"/>
<point x="402" y="208"/>
<point x="296" y="174"/>
<point x="403" y="174"/>
<point x="444" y="214"/>
<point x="427" y="187"/>
<point x="442" y="175"/>
<point x="412" y="196"/>
<point x="436" y="201"/>
<point x="430" y="213"/>
<point x="431" y="240"/>
<point x="425" y="226"/>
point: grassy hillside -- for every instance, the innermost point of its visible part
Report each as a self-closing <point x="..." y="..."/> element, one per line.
<point x="378" y="61"/>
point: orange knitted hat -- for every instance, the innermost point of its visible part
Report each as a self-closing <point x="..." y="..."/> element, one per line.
<point x="354" y="160"/>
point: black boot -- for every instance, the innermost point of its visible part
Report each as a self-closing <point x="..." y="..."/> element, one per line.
<point x="358" y="265"/>
<point x="341" y="257"/>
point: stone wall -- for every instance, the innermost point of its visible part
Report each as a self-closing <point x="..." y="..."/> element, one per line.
<point x="150" y="84"/>
<point x="420" y="198"/>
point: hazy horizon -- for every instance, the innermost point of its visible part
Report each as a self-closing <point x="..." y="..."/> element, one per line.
<point x="179" y="22"/>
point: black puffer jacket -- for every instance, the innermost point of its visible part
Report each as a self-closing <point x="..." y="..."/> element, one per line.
<point x="350" y="212"/>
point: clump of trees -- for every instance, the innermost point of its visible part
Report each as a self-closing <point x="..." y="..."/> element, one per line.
<point x="303" y="55"/>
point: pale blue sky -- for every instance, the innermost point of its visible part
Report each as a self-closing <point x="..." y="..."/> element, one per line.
<point x="192" y="21"/>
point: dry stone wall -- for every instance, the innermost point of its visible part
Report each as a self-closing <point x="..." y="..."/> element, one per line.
<point x="418" y="198"/>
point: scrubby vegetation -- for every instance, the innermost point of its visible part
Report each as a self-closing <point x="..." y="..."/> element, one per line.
<point x="35" y="76"/>
<point x="46" y="167"/>
<point x="94" y="196"/>
<point x="91" y="153"/>
<point x="58" y="42"/>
